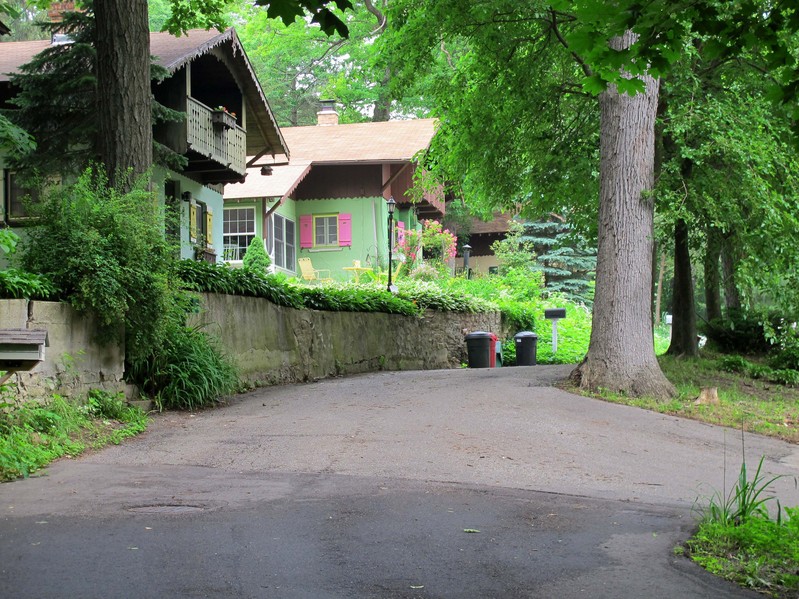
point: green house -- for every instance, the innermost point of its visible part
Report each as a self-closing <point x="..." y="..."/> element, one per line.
<point x="329" y="202"/>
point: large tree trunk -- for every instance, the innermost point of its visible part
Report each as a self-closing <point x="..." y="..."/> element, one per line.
<point x="125" y="135"/>
<point x="712" y="278"/>
<point x="621" y="354"/>
<point x="731" y="296"/>
<point x="683" y="329"/>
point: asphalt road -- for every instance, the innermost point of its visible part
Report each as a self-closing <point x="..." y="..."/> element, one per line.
<point x="438" y="484"/>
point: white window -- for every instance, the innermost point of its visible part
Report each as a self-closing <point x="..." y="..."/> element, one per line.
<point x="325" y="230"/>
<point x="238" y="233"/>
<point x="285" y="244"/>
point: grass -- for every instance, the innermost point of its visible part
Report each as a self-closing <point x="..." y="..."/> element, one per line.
<point x="738" y="540"/>
<point x="34" y="434"/>
<point x="758" y="406"/>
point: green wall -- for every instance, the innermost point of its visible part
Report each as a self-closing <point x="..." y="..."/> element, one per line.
<point x="369" y="234"/>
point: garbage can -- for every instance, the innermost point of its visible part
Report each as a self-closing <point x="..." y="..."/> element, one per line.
<point x="479" y="346"/>
<point x="526" y="343"/>
<point x="496" y="352"/>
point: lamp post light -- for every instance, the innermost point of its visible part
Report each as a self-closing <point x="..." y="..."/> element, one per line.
<point x="391" y="205"/>
<point x="467" y="250"/>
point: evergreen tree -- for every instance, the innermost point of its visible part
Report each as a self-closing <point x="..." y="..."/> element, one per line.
<point x="563" y="256"/>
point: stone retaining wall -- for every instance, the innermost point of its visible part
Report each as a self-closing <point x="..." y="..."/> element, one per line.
<point x="270" y="344"/>
<point x="74" y="361"/>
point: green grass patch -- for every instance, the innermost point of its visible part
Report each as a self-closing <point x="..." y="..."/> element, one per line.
<point x="738" y="539"/>
<point x="755" y="405"/>
<point x="34" y="434"/>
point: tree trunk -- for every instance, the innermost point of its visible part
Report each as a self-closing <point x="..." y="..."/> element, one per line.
<point x="659" y="291"/>
<point x="712" y="278"/>
<point x="621" y="354"/>
<point x="382" y="110"/>
<point x="683" y="328"/>
<point x="732" y="298"/>
<point x="124" y="119"/>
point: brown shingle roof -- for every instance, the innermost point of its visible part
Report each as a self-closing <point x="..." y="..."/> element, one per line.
<point x="389" y="141"/>
<point x="499" y="224"/>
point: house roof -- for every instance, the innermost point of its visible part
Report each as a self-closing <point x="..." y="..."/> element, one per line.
<point x="499" y="224"/>
<point x="172" y="53"/>
<point x="389" y="141"/>
<point x="359" y="143"/>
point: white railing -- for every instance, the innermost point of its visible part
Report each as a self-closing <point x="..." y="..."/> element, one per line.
<point x="226" y="145"/>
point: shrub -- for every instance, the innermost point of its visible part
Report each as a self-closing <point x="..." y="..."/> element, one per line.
<point x="187" y="372"/>
<point x="256" y="258"/>
<point x="740" y="332"/>
<point x="16" y="283"/>
<point x="107" y="253"/>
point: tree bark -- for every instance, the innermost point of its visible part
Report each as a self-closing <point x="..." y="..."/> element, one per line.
<point x="683" y="328"/>
<point x="659" y="290"/>
<point x="125" y="133"/>
<point x="712" y="278"/>
<point x="621" y="355"/>
<point x="732" y="298"/>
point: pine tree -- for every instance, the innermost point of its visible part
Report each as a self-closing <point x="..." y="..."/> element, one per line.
<point x="566" y="260"/>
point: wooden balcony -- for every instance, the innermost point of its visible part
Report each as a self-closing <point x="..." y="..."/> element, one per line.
<point x="217" y="151"/>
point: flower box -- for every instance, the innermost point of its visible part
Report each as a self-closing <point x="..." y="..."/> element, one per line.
<point x="222" y="118"/>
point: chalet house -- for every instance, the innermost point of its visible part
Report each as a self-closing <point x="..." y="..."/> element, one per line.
<point x="227" y="119"/>
<point x="329" y="202"/>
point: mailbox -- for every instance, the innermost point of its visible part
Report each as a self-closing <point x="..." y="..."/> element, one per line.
<point x="21" y="349"/>
<point x="553" y="313"/>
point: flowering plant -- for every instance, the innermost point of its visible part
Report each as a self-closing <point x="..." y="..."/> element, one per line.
<point x="223" y="109"/>
<point x="434" y="240"/>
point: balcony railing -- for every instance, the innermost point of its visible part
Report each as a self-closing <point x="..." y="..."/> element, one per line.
<point x="223" y="144"/>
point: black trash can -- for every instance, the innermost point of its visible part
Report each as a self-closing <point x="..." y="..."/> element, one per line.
<point x="526" y="343"/>
<point x="479" y="345"/>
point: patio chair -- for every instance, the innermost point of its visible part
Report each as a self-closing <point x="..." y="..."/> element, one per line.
<point x="311" y="274"/>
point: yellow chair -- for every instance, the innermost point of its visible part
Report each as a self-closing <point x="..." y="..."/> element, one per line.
<point x="311" y="274"/>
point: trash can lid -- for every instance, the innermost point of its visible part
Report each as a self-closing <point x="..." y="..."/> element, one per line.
<point x="525" y="334"/>
<point x="478" y="335"/>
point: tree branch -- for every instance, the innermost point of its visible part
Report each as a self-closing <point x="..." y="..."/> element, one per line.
<point x="583" y="65"/>
<point x="381" y="18"/>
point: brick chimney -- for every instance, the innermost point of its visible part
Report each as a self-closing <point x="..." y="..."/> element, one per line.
<point x="327" y="114"/>
<point x="57" y="9"/>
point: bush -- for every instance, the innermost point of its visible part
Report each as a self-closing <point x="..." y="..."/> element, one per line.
<point x="16" y="283"/>
<point x="256" y="258"/>
<point x="107" y="253"/>
<point x="187" y="372"/>
<point x="740" y="332"/>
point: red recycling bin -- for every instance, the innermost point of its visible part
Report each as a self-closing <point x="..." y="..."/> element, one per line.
<point x="492" y="355"/>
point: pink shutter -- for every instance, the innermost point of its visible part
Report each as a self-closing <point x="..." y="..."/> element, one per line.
<point x="306" y="231"/>
<point x="400" y="233"/>
<point x="344" y="229"/>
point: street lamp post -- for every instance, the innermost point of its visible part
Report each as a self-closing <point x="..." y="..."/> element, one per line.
<point x="390" y="204"/>
<point x="467" y="250"/>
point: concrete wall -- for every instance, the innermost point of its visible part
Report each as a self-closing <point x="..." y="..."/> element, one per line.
<point x="74" y="361"/>
<point x="269" y="343"/>
<point x="272" y="344"/>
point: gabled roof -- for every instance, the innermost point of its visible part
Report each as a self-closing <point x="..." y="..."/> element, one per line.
<point x="389" y="141"/>
<point x="172" y="53"/>
<point x="359" y="143"/>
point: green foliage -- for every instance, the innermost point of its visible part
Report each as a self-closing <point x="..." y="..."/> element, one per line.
<point x="256" y="258"/>
<point x="574" y="333"/>
<point x="15" y="283"/>
<point x="348" y="298"/>
<point x="748" y="499"/>
<point x="740" y="332"/>
<point x="431" y="296"/>
<point x="34" y="434"/>
<point x="563" y="256"/>
<point x="188" y="371"/>
<point x="739" y="364"/>
<point x="738" y="540"/>
<point x="106" y="252"/>
<point x="218" y="278"/>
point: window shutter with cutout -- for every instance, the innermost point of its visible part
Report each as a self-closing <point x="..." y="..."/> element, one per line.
<point x="344" y="230"/>
<point x="306" y="231"/>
